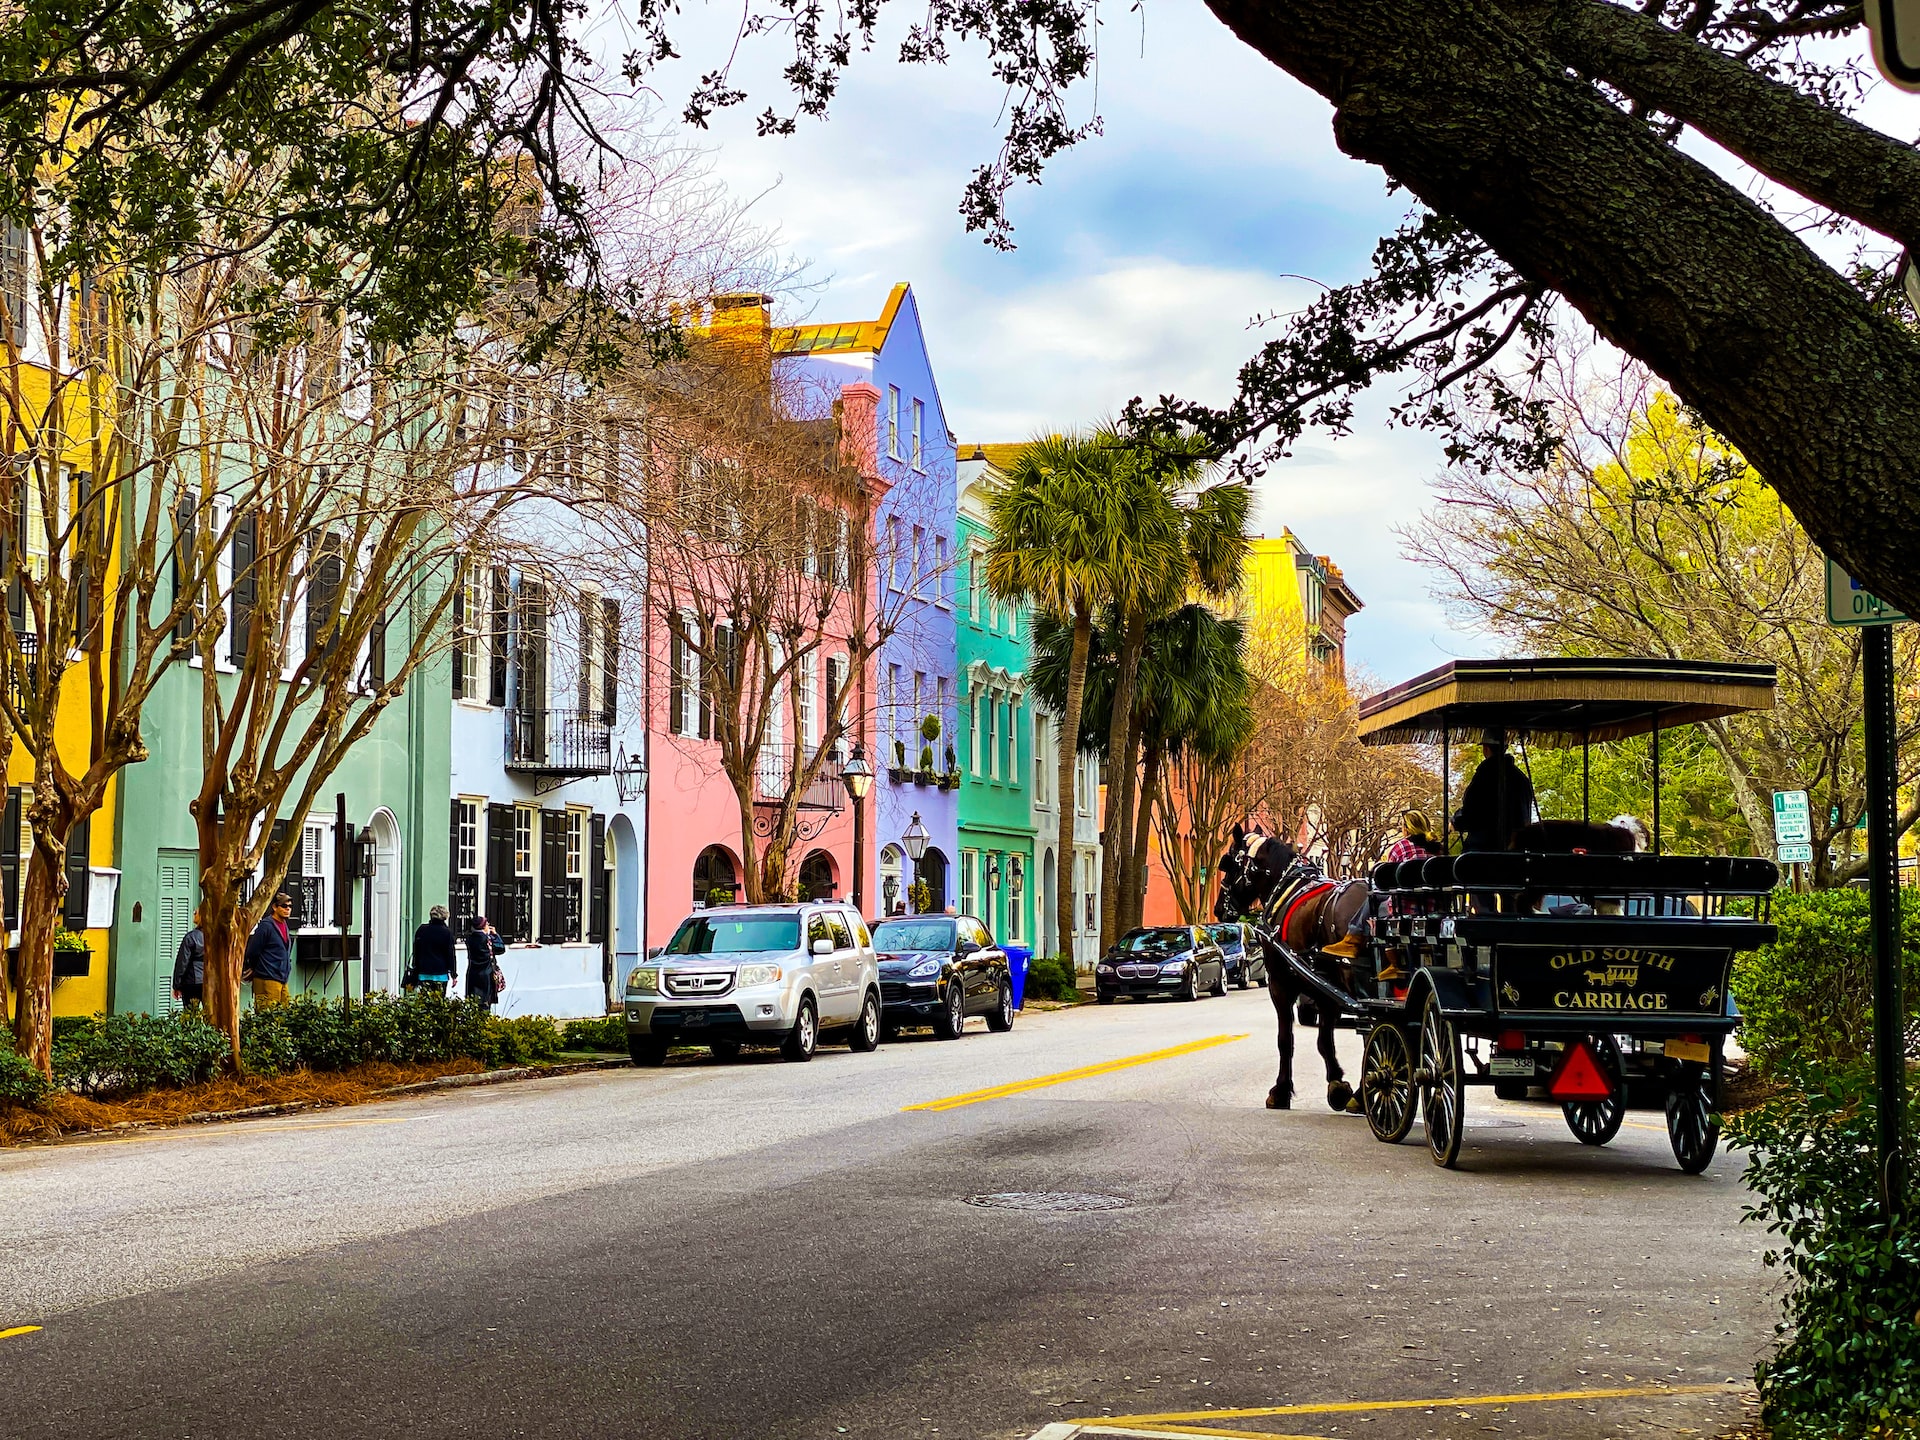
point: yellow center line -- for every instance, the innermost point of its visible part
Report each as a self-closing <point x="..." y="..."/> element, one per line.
<point x="18" y="1330"/>
<point x="1085" y="1072"/>
<point x="1459" y="1402"/>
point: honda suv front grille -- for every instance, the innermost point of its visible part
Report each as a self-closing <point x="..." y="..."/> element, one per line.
<point x="697" y="984"/>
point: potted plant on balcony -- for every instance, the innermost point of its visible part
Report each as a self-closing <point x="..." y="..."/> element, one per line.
<point x="929" y="732"/>
<point x="897" y="771"/>
<point x="950" y="777"/>
<point x="71" y="954"/>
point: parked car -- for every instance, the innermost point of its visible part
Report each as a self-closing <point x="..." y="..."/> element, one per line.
<point x="1246" y="961"/>
<point x="937" y="970"/>
<point x="786" y="975"/>
<point x="1180" y="961"/>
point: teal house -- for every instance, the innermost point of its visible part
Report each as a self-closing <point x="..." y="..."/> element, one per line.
<point x="997" y="726"/>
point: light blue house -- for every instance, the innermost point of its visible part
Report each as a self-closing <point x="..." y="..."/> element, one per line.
<point x="911" y="729"/>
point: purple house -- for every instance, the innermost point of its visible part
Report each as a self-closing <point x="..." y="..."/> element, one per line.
<point x="911" y="732"/>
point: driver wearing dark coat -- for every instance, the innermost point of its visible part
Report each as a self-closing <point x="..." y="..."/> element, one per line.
<point x="1498" y="799"/>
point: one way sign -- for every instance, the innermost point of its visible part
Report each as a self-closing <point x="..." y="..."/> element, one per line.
<point x="1895" y="27"/>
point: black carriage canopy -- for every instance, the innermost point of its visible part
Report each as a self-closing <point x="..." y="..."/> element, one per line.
<point x="1561" y="702"/>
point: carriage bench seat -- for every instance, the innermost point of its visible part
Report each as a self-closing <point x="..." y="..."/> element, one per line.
<point x="1517" y="871"/>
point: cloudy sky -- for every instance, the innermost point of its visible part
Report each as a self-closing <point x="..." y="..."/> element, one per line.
<point x="1215" y="195"/>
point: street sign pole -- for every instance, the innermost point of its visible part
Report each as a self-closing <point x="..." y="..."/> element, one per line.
<point x="1883" y="861"/>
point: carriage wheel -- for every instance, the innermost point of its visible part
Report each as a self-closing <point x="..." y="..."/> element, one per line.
<point x="1442" y="1096"/>
<point x="1386" y="1083"/>
<point x="1595" y="1122"/>
<point x="1692" y="1126"/>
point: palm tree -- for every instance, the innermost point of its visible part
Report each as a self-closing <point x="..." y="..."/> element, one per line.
<point x="1058" y="520"/>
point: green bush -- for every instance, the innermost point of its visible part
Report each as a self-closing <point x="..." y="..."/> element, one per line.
<point x="602" y="1032"/>
<point x="1808" y="998"/>
<point x="21" y="1082"/>
<point x="523" y="1040"/>
<point x="1050" y="977"/>
<point x="1848" y="1365"/>
<point x="266" y="1042"/>
<point x="119" y="1054"/>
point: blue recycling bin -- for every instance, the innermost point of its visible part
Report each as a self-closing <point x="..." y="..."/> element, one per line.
<point x="1018" y="957"/>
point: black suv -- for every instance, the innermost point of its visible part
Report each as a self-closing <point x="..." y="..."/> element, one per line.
<point x="1179" y="961"/>
<point x="939" y="969"/>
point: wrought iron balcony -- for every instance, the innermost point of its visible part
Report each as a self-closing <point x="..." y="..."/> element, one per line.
<point x="559" y="742"/>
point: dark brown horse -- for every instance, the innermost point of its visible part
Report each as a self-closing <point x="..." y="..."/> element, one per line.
<point x="1265" y="883"/>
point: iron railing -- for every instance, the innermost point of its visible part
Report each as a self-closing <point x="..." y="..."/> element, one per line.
<point x="776" y="764"/>
<point x="559" y="741"/>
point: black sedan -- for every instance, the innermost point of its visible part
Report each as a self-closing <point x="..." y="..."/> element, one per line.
<point x="1179" y="961"/>
<point x="939" y="969"/>
<point x="1246" y="961"/>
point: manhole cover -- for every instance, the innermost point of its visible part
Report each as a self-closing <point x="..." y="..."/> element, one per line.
<point x="1074" y="1200"/>
<point x="1479" y="1122"/>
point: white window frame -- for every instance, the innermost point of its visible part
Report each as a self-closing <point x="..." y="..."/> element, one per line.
<point x="587" y="615"/>
<point x="969" y="882"/>
<point x="316" y="863"/>
<point x="466" y="859"/>
<point x="475" y="607"/>
<point x="809" y="719"/>
<point x="687" y="723"/>
<point x="893" y="422"/>
<point x="973" y="734"/>
<point x="974" y="558"/>
<point x="919" y="419"/>
<point x="526" y="861"/>
<point x="918" y="573"/>
<point x="579" y="837"/>
<point x="942" y="574"/>
<point x="993" y="735"/>
<point x="891" y="705"/>
<point x="1011" y="732"/>
<point x="896" y="556"/>
<point x="1015" y="929"/>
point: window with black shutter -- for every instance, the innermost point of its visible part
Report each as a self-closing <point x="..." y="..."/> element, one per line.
<point x="676" y="683"/>
<point x="246" y="585"/>
<point x="503" y="887"/>
<point x="294" y="882"/>
<point x="497" y="641"/>
<point x="460" y="631"/>
<point x="10" y="858"/>
<point x="554" y="882"/>
<point x="377" y="651"/>
<point x="597" y="881"/>
<point x="588" y="669"/>
<point x="325" y="576"/>
<point x="73" y="913"/>
<point x="610" y="660"/>
<point x="183" y="566"/>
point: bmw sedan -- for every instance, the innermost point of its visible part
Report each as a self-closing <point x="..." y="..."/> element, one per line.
<point x="939" y="969"/>
<point x="1178" y="961"/>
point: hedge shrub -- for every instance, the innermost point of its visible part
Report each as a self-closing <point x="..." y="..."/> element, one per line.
<point x="103" y="1055"/>
<point x="1050" y="977"/>
<point x="603" y="1032"/>
<point x="1848" y="1365"/>
<point x="1808" y="998"/>
<point x="21" y="1082"/>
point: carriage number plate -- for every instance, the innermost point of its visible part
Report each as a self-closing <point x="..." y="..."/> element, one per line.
<point x="1688" y="1050"/>
<point x="1512" y="1065"/>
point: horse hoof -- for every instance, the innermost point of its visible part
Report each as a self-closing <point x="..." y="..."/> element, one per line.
<point x="1354" y="1107"/>
<point x="1339" y="1095"/>
<point x="1277" y="1101"/>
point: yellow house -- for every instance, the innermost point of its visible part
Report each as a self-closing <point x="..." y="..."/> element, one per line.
<point x="1291" y="598"/>
<point x="45" y="422"/>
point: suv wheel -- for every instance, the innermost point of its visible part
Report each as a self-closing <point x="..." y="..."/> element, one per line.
<point x="949" y="1023"/>
<point x="648" y="1050"/>
<point x="1000" y="1018"/>
<point x="802" y="1040"/>
<point x="1220" y="985"/>
<point x="866" y="1031"/>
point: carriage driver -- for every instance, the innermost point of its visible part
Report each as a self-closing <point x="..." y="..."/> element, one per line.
<point x="1498" y="800"/>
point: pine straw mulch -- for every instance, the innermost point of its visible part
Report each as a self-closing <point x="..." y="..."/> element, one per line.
<point x="65" y="1115"/>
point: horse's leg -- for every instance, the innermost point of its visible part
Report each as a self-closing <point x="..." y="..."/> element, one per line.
<point x="1280" y="1097"/>
<point x="1339" y="1093"/>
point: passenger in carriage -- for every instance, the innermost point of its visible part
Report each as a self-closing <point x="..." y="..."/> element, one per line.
<point x="1416" y="840"/>
<point x="1498" y="800"/>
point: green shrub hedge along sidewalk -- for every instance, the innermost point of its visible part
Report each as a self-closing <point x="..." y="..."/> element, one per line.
<point x="105" y="1057"/>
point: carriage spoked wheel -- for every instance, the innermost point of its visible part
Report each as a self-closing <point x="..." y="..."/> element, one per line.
<point x="1386" y="1083"/>
<point x="1595" y="1122"/>
<point x="1442" y="1096"/>
<point x="1692" y="1127"/>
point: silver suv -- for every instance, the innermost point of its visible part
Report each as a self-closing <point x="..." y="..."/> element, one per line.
<point x="757" y="975"/>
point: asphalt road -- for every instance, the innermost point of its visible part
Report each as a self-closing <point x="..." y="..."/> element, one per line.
<point x="765" y="1249"/>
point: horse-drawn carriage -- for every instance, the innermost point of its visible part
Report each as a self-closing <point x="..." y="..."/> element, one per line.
<point x="1554" y="965"/>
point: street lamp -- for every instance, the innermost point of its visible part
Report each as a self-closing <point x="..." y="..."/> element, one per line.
<point x="915" y="839"/>
<point x="857" y="776"/>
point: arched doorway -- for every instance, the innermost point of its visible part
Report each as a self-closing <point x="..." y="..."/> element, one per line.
<point x="819" y="876"/>
<point x="627" y="943"/>
<point x="383" y="914"/>
<point x="933" y="870"/>
<point x="893" y="886"/>
<point x="716" y="878"/>
<point x="1050" y="905"/>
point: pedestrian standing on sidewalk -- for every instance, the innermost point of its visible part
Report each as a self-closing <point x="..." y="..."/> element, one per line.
<point x="484" y="946"/>
<point x="269" y="958"/>
<point x="434" y="956"/>
<point x="190" y="966"/>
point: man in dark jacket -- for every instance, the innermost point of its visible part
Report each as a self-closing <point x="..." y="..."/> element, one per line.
<point x="1498" y="800"/>
<point x="433" y="952"/>
<point x="269" y="959"/>
<point x="190" y="966"/>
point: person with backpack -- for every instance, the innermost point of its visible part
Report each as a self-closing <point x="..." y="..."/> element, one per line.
<point x="434" y="956"/>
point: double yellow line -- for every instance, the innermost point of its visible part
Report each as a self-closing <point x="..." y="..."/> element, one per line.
<point x="1085" y="1072"/>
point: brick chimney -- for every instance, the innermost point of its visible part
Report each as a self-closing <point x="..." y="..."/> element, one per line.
<point x="859" y="412"/>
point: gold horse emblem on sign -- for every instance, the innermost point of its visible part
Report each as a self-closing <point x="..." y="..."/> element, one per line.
<point x="1628" y="975"/>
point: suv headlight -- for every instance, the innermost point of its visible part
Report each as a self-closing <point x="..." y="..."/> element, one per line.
<point x="756" y="975"/>
<point x="1104" y="968"/>
<point x="644" y="980"/>
<point x="929" y="966"/>
<point x="1174" y="967"/>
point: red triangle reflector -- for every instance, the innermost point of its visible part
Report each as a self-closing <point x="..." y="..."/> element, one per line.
<point x="1579" y="1076"/>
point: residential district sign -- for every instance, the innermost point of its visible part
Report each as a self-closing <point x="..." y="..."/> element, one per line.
<point x="1792" y="827"/>
<point x="1847" y="603"/>
<point x="1895" y="28"/>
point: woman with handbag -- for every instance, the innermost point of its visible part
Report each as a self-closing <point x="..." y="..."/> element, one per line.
<point x="485" y="980"/>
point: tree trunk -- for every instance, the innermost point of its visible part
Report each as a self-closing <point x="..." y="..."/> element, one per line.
<point x="1122" y="738"/>
<point x="1134" y="889"/>
<point x="39" y="914"/>
<point x="1666" y="259"/>
<point x="1069" y="754"/>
